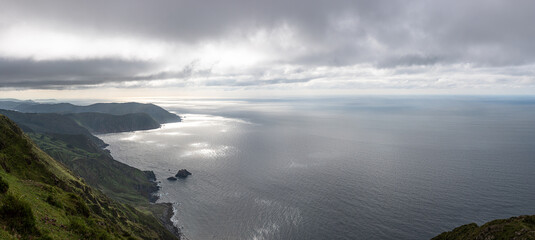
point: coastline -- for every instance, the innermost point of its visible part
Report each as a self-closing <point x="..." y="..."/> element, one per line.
<point x="164" y="212"/>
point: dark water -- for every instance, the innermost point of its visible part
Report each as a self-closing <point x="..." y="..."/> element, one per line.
<point x="361" y="168"/>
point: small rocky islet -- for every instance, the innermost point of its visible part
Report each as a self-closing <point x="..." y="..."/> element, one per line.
<point x="182" y="173"/>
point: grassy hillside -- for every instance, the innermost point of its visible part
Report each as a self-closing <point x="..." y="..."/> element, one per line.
<point x="41" y="199"/>
<point x="108" y="123"/>
<point x="522" y="227"/>
<point x="66" y="141"/>
<point x="98" y="168"/>
<point x="49" y="123"/>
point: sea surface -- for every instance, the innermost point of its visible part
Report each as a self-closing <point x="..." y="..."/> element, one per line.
<point x="339" y="168"/>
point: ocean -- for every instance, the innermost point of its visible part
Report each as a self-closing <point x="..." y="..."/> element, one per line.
<point x="374" y="167"/>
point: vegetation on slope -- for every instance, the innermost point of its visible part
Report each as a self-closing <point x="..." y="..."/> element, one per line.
<point x="49" y="123"/>
<point x="107" y="123"/>
<point x="98" y="168"/>
<point x="66" y="141"/>
<point x="42" y="199"/>
<point x="157" y="113"/>
<point x="515" y="228"/>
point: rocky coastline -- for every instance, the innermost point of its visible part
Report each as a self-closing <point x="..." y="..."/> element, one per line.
<point x="163" y="211"/>
<point x="165" y="219"/>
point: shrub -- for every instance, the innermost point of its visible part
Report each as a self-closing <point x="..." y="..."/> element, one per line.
<point x="80" y="207"/>
<point x="17" y="215"/>
<point x="53" y="201"/>
<point x="78" y="226"/>
<point x="87" y="229"/>
<point x="3" y="186"/>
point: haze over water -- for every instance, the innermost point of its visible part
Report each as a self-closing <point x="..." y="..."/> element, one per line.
<point x="361" y="168"/>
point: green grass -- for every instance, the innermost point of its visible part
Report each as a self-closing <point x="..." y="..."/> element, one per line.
<point x="97" y="167"/>
<point x="522" y="227"/>
<point x="45" y="200"/>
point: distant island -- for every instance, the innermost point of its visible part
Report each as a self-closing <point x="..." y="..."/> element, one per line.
<point x="67" y="136"/>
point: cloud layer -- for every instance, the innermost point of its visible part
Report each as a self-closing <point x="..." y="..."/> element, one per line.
<point x="240" y="43"/>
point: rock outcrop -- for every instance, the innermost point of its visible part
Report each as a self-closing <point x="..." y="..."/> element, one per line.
<point x="182" y="173"/>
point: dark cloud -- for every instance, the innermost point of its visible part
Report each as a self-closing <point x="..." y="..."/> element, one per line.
<point x="410" y="60"/>
<point x="57" y="73"/>
<point x="253" y="82"/>
<point x="470" y="30"/>
<point x="382" y="33"/>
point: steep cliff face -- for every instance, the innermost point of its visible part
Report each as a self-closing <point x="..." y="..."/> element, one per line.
<point x="522" y="227"/>
<point x="41" y="199"/>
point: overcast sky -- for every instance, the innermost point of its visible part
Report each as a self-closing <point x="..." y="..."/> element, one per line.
<point x="268" y="45"/>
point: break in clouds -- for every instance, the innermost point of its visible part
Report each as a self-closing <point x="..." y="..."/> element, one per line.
<point x="255" y="44"/>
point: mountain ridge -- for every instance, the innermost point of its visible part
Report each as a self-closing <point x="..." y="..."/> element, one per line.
<point x="157" y="113"/>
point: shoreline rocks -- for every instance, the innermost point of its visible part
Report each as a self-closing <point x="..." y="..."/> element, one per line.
<point x="182" y="173"/>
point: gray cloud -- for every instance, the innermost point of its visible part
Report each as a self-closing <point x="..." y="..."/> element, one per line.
<point x="385" y="34"/>
<point x="57" y="73"/>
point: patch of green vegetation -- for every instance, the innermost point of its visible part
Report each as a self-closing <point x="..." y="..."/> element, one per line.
<point x="16" y="214"/>
<point x="4" y="186"/>
<point x="50" y="199"/>
<point x="522" y="227"/>
<point x="45" y="200"/>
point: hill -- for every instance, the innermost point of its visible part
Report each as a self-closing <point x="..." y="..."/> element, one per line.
<point x="522" y="227"/>
<point x="41" y="199"/>
<point x="50" y="123"/>
<point x="157" y="113"/>
<point x="107" y="123"/>
<point x="73" y="145"/>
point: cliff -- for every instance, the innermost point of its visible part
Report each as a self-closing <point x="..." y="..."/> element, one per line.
<point x="41" y="199"/>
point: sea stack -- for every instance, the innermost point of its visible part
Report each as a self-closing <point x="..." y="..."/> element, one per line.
<point x="182" y="173"/>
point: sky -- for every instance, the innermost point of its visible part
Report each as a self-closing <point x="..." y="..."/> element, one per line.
<point x="234" y="48"/>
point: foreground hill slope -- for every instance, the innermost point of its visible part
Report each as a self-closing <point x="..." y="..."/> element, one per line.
<point x="42" y="199"/>
<point x="515" y="228"/>
<point x="73" y="145"/>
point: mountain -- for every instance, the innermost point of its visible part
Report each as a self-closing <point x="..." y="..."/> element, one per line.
<point x="10" y="103"/>
<point x="73" y="145"/>
<point x="107" y="123"/>
<point x="522" y="227"/>
<point x="157" y="113"/>
<point x="41" y="199"/>
<point x="50" y="123"/>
